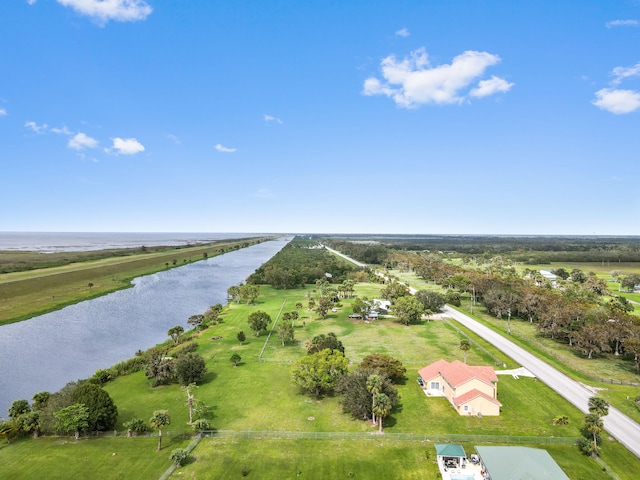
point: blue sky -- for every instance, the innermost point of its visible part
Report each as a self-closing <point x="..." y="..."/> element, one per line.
<point x="473" y="117"/>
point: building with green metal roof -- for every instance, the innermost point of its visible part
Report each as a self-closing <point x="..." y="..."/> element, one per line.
<point x="519" y="463"/>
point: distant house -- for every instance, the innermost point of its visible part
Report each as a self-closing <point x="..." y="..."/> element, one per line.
<point x="519" y="463"/>
<point x="471" y="390"/>
<point x="552" y="277"/>
<point x="382" y="306"/>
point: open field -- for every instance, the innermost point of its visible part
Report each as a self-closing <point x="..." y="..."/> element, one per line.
<point x="34" y="292"/>
<point x="60" y="458"/>
<point x="367" y="460"/>
<point x="261" y="396"/>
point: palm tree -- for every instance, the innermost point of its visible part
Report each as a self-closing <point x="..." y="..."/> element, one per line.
<point x="159" y="420"/>
<point x="381" y="407"/>
<point x="594" y="425"/>
<point x="189" y="390"/>
<point x="374" y="386"/>
<point x="599" y="406"/>
<point x="465" y="346"/>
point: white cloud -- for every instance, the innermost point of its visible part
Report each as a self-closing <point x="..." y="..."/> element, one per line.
<point x="127" y="146"/>
<point x="223" y="149"/>
<point x="174" y="138"/>
<point x="81" y="141"/>
<point x="272" y="119"/>
<point x="31" y="2"/>
<point x="37" y="128"/>
<point x="622" y="23"/>
<point x="617" y="101"/>
<point x="622" y="73"/>
<point x="3" y="112"/>
<point x="403" y="32"/>
<point x="491" y="86"/>
<point x="412" y="81"/>
<point x="105" y="10"/>
<point x="64" y="130"/>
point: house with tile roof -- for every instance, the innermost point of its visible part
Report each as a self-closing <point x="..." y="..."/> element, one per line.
<point x="471" y="390"/>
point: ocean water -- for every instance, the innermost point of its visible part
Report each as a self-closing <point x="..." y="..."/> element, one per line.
<point x="84" y="241"/>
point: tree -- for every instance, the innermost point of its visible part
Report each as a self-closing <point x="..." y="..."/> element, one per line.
<point x="248" y="293"/>
<point x="258" y="321"/>
<point x="374" y="387"/>
<point x="318" y="373"/>
<point x="322" y="308"/>
<point x="235" y="359"/>
<point x="196" y="321"/>
<point x="322" y="341"/>
<point x="599" y="406"/>
<point x="190" y="368"/>
<point x="285" y="332"/>
<point x="212" y="315"/>
<point x="430" y="300"/>
<point x="73" y="418"/>
<point x="594" y="425"/>
<point x="103" y="413"/>
<point x="241" y="336"/>
<point x="40" y="400"/>
<point x="408" y="310"/>
<point x="312" y="306"/>
<point x="179" y="456"/>
<point x="17" y="408"/>
<point x="160" y="368"/>
<point x="158" y="421"/>
<point x="394" y="290"/>
<point x="175" y="332"/>
<point x="189" y="391"/>
<point x="630" y="281"/>
<point x="29" y="422"/>
<point x="135" y="426"/>
<point x="233" y="293"/>
<point x="362" y="306"/>
<point x="384" y="365"/>
<point x="465" y="346"/>
<point x="356" y="398"/>
<point x="381" y="407"/>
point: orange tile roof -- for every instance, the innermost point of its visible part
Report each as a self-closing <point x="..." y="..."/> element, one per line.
<point x="456" y="373"/>
<point x="471" y="394"/>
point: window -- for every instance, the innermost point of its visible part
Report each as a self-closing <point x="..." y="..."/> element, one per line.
<point x="465" y="408"/>
<point x="435" y="385"/>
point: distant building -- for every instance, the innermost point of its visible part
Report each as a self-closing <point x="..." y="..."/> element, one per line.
<point x="552" y="277"/>
<point x="519" y="463"/>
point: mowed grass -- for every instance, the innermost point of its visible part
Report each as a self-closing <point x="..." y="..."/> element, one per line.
<point x="221" y="459"/>
<point x="120" y="458"/>
<point x="260" y="395"/>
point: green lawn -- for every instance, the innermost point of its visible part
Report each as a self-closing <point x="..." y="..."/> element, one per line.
<point x="260" y="395"/>
<point x="100" y="458"/>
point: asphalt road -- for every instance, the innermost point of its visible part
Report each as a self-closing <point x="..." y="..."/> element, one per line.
<point x="619" y="426"/>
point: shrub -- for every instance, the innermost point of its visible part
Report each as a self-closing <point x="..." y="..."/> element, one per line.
<point x="190" y="368"/>
<point x="179" y="456"/>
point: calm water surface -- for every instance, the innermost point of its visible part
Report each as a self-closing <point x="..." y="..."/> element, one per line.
<point x="46" y="352"/>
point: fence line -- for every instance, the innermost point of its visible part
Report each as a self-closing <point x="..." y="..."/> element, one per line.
<point x="405" y="437"/>
<point x="172" y="468"/>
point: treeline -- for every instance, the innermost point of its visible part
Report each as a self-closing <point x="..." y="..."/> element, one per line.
<point x="529" y="249"/>
<point x="365" y="252"/>
<point x="579" y="311"/>
<point x="299" y="263"/>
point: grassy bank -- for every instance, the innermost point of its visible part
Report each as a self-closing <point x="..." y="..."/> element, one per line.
<point x="29" y="293"/>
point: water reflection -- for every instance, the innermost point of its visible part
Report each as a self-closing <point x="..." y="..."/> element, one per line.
<point x="46" y="352"/>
